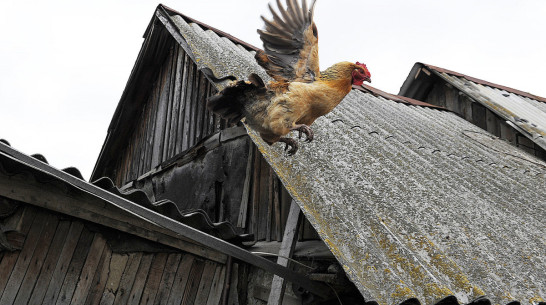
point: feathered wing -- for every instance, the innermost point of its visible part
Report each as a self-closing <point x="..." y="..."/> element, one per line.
<point x="290" y="43"/>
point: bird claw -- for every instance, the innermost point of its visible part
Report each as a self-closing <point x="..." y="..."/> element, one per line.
<point x="304" y="129"/>
<point x="290" y="143"/>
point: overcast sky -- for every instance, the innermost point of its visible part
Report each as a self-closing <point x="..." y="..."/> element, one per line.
<point x="64" y="64"/>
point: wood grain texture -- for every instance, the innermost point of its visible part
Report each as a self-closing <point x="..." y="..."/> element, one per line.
<point x="22" y="264"/>
<point x="192" y="286"/>
<point x="122" y="277"/>
<point x="74" y="269"/>
<point x="167" y="278"/>
<point x="44" y="245"/>
<point x="56" y="265"/>
<point x="9" y="260"/>
<point x="207" y="278"/>
<point x="100" y="279"/>
<point x="88" y="270"/>
<point x="140" y="279"/>
<point x="154" y="279"/>
<point x="181" y="279"/>
<point x="217" y="285"/>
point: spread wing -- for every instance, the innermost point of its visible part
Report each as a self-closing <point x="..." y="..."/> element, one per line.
<point x="290" y="43"/>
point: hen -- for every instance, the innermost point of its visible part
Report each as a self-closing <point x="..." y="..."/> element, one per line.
<point x="299" y="92"/>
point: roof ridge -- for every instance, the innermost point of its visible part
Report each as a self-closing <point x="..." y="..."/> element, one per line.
<point x="394" y="97"/>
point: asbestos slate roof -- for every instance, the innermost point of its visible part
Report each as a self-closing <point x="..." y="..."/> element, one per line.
<point x="524" y="111"/>
<point x="413" y="201"/>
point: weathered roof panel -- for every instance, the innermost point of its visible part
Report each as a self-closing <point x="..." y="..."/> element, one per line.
<point x="413" y="201"/>
<point x="416" y="203"/>
<point x="523" y="110"/>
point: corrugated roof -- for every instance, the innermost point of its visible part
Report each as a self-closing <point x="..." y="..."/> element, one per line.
<point x="524" y="110"/>
<point x="413" y="201"/>
<point x="197" y="219"/>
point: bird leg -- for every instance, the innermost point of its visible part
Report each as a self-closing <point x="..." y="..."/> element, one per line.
<point x="302" y="128"/>
<point x="290" y="143"/>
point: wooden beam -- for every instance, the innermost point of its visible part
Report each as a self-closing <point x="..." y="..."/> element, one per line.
<point x="288" y="245"/>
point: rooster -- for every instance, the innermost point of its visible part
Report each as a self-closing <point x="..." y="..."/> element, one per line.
<point x="299" y="92"/>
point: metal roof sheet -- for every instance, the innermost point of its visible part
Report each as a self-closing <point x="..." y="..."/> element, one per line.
<point x="523" y="110"/>
<point x="413" y="201"/>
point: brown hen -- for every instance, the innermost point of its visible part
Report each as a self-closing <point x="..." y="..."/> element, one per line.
<point x="299" y="92"/>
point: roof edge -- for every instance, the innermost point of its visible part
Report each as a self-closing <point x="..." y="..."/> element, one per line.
<point x="396" y="98"/>
<point x="485" y="83"/>
<point x="220" y="33"/>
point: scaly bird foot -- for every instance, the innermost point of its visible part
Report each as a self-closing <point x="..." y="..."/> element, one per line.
<point x="290" y="143"/>
<point x="306" y="130"/>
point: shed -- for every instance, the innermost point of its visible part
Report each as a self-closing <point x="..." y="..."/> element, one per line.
<point x="510" y="114"/>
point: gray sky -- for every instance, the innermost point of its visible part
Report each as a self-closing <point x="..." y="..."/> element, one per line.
<point x="64" y="64"/>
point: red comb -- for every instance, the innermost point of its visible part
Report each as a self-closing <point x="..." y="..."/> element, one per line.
<point x="365" y="68"/>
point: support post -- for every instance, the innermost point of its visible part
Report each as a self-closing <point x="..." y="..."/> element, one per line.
<point x="288" y="245"/>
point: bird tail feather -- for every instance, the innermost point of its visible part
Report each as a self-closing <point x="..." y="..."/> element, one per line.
<point x="230" y="103"/>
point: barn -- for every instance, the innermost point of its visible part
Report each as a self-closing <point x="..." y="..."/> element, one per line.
<point x="396" y="201"/>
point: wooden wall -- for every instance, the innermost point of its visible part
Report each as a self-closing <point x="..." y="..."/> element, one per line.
<point x="62" y="261"/>
<point x="444" y="95"/>
<point x="224" y="182"/>
<point x="173" y="119"/>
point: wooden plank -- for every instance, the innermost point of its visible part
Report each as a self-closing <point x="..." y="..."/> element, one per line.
<point x="188" y="105"/>
<point x="478" y="116"/>
<point x="22" y="264"/>
<point x="123" y="269"/>
<point x="181" y="279"/>
<point x="159" y="129"/>
<point x="182" y="103"/>
<point x="169" y="83"/>
<point x="154" y="279"/>
<point x="217" y="286"/>
<point x="206" y="282"/>
<point x="201" y="109"/>
<point x="277" y="206"/>
<point x="44" y="245"/>
<point x="100" y="279"/>
<point x="140" y="279"/>
<point x="255" y="194"/>
<point x="88" y="271"/>
<point x="270" y="214"/>
<point x="466" y="107"/>
<point x="167" y="278"/>
<point x="508" y="133"/>
<point x="192" y="286"/>
<point x="57" y="261"/>
<point x="8" y="261"/>
<point x="194" y="106"/>
<point x="492" y="123"/>
<point x="287" y="249"/>
<point x="177" y="79"/>
<point x="74" y="269"/>
<point x="232" y="295"/>
<point x="243" y="208"/>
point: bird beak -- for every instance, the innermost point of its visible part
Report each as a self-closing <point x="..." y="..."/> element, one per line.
<point x="369" y="80"/>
